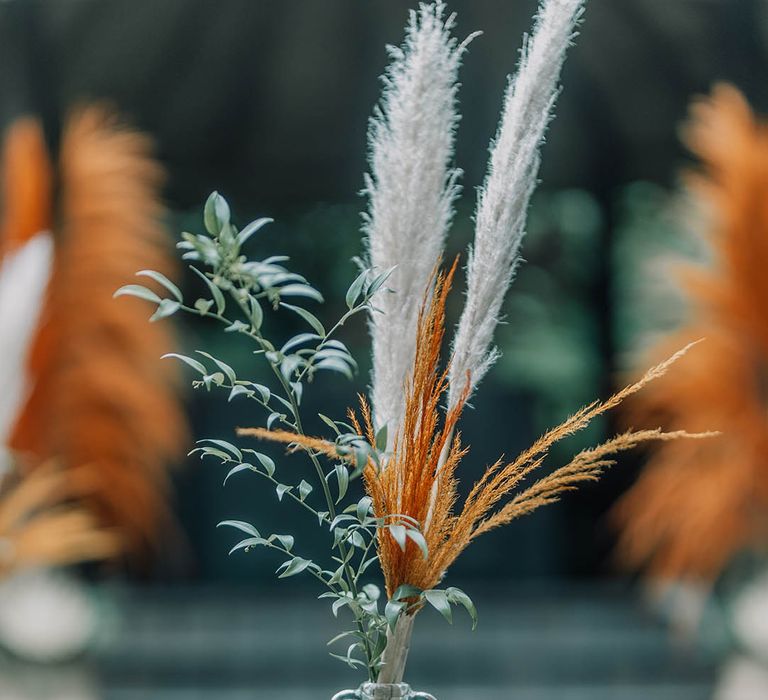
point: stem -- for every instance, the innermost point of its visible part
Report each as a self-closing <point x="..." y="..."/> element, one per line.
<point x="348" y="570"/>
<point x="398" y="642"/>
<point x="396" y="652"/>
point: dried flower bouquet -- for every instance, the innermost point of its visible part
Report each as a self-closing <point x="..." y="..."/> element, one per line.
<point x="404" y="442"/>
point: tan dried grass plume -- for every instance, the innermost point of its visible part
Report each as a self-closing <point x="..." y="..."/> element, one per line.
<point x="41" y="523"/>
<point x="425" y="458"/>
<point x="694" y="506"/>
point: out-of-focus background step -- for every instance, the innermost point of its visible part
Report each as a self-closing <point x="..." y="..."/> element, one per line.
<point x="563" y="644"/>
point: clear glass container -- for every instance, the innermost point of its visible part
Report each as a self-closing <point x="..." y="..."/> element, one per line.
<point x="382" y="691"/>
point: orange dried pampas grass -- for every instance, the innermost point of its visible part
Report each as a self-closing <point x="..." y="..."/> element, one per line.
<point x="695" y="506"/>
<point x="426" y="455"/>
<point x="25" y="173"/>
<point x="101" y="404"/>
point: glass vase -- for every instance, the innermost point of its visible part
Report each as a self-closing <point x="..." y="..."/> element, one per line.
<point x="382" y="691"/>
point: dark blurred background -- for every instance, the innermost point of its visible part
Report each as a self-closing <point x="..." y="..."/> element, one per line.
<point x="268" y="103"/>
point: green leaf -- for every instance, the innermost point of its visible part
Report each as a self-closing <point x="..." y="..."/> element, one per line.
<point x="458" y="597"/>
<point x="300" y="290"/>
<point x="355" y="288"/>
<point x="334" y="364"/>
<point x="304" y="489"/>
<point x="216" y="378"/>
<point x="239" y="390"/>
<point x="392" y="611"/>
<point x="136" y="290"/>
<point x="250" y="229"/>
<point x="348" y="633"/>
<point x="164" y="281"/>
<point x="213" y="452"/>
<point x="322" y="516"/>
<point x="294" y="566"/>
<point x="340" y="519"/>
<point x="167" y="307"/>
<point x="235" y="451"/>
<point x="406" y="590"/>
<point x="283" y="401"/>
<point x="349" y="661"/>
<point x="399" y="534"/>
<point x="418" y="539"/>
<point x="362" y="453"/>
<point x="372" y="591"/>
<point x="216" y="213"/>
<point x="335" y="353"/>
<point x="329" y="423"/>
<point x="285" y="540"/>
<point x="257" y="314"/>
<point x="297" y="340"/>
<point x="194" y="364"/>
<point x="378" y="649"/>
<point x="223" y="366"/>
<point x="338" y="604"/>
<point x="263" y="390"/>
<point x="363" y="507"/>
<point x="290" y="364"/>
<point x="272" y="418"/>
<point x="204" y="306"/>
<point x="381" y="438"/>
<point x="310" y="318"/>
<point x="247" y="528"/>
<point x="236" y="326"/>
<point x="334" y="343"/>
<point x="342" y="477"/>
<point x="266" y="462"/>
<point x="337" y="576"/>
<point x="378" y="281"/>
<point x="247" y="544"/>
<point x="367" y="563"/>
<point x="218" y="297"/>
<point x="237" y="469"/>
<point x="282" y="489"/>
<point x="439" y="601"/>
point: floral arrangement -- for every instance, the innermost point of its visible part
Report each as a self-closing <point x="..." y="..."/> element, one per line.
<point x="403" y="441"/>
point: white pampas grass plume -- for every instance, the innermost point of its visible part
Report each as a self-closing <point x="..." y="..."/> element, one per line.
<point x="24" y="276"/>
<point x="411" y="188"/>
<point x="503" y="200"/>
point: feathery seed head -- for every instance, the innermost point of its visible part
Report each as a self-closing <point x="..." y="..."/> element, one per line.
<point x="503" y="200"/>
<point x="411" y="188"/>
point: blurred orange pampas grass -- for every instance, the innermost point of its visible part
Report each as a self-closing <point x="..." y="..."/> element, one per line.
<point x="696" y="505"/>
<point x="99" y="402"/>
<point x="41" y="523"/>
